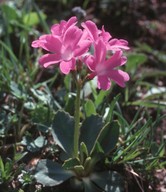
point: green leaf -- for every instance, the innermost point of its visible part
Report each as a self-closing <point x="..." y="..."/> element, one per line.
<point x="70" y="163"/>
<point x="132" y="142"/>
<point x="87" y="163"/>
<point x="143" y="47"/>
<point x="97" y="149"/>
<point x="34" y="145"/>
<point x="19" y="156"/>
<point x="111" y="108"/>
<point x="50" y="173"/>
<point x="149" y="103"/>
<point x="100" y="97"/>
<point x="63" y="131"/>
<point x="40" y="141"/>
<point x="161" y="150"/>
<point x="83" y="152"/>
<point x="70" y="104"/>
<point x="10" y="12"/>
<point x="2" y="167"/>
<point x="10" y="52"/>
<point x="90" y="108"/>
<point x="32" y="18"/>
<point x="83" y="148"/>
<point x="131" y="155"/>
<point x="45" y="96"/>
<point x="79" y="170"/>
<point x="41" y="95"/>
<point x="8" y="169"/>
<point x="108" y="136"/>
<point x="122" y="121"/>
<point x="135" y="59"/>
<point x="30" y="105"/>
<point x="67" y="82"/>
<point x="17" y="91"/>
<point x="110" y="181"/>
<point x="90" y="130"/>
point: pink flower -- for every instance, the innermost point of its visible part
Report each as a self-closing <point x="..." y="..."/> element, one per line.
<point x="94" y="34"/>
<point x="105" y="69"/>
<point x="66" y="44"/>
<point x="59" y="29"/>
<point x="56" y="29"/>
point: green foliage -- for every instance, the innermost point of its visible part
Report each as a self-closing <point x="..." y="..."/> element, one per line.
<point x="89" y="108"/>
<point x="88" y="135"/>
<point x="32" y="18"/>
<point x="26" y="178"/>
<point x="6" y="171"/>
<point x="108" y="137"/>
<point x="50" y="173"/>
<point x="116" y="130"/>
<point x="134" y="60"/>
<point x="34" y="145"/>
<point x="63" y="131"/>
<point x="93" y="148"/>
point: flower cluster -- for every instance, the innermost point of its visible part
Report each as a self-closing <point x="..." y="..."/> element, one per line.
<point x="68" y="43"/>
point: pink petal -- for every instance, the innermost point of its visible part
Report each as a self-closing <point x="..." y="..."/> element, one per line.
<point x="124" y="42"/>
<point x="103" y="82"/>
<point x="48" y="42"/>
<point x="119" y="76"/>
<point x="118" y="44"/>
<point x="40" y="42"/>
<point x="53" y="44"/>
<point x="100" y="52"/>
<point x="72" y="36"/>
<point x="105" y="35"/>
<point x="55" y="29"/>
<point x="114" y="61"/>
<point x="123" y="60"/>
<point x="85" y="35"/>
<point x="89" y="61"/>
<point x="62" y="26"/>
<point x="66" y="53"/>
<point x="67" y="66"/>
<point x="71" y="22"/>
<point x="49" y="59"/>
<point x="59" y="29"/>
<point x="82" y="48"/>
<point x="35" y="44"/>
<point x="91" y="29"/>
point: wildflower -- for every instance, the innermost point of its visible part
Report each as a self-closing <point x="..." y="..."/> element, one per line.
<point x="59" y="29"/>
<point x="65" y="47"/>
<point x="94" y="34"/>
<point x="67" y="44"/>
<point x="105" y="69"/>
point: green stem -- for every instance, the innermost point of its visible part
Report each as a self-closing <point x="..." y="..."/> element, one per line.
<point x="77" y="119"/>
